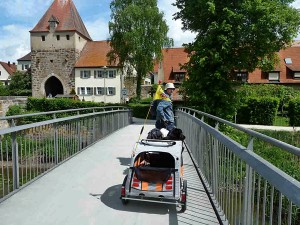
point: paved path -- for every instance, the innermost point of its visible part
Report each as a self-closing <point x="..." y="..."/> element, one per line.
<point x="85" y="190"/>
<point x="263" y="127"/>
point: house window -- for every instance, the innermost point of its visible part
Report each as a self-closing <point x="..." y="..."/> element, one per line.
<point x="274" y="76"/>
<point x="58" y="37"/>
<point x="99" y="91"/>
<point x="89" y="91"/>
<point x="112" y="73"/>
<point x="111" y="91"/>
<point x="296" y="75"/>
<point x="242" y="76"/>
<point x="85" y="90"/>
<point x="43" y="38"/>
<point x="179" y="77"/>
<point x="85" y="74"/>
<point x="288" y="61"/>
<point x="68" y="37"/>
<point x="99" y="74"/>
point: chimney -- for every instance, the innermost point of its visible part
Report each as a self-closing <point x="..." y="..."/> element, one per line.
<point x="8" y="63"/>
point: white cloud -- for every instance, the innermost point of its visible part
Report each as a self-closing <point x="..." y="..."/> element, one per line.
<point x="15" y="42"/>
<point x="175" y="26"/>
<point x="98" y="29"/>
<point x="296" y="4"/>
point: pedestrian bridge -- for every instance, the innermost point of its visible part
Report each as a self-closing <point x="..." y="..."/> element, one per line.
<point x="69" y="170"/>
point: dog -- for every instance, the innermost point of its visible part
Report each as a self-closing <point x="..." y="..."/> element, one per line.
<point x="175" y="134"/>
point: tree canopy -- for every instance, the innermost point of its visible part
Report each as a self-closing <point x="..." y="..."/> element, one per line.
<point x="20" y="84"/>
<point x="138" y="33"/>
<point x="236" y="35"/>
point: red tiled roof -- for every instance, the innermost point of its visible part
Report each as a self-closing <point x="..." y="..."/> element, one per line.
<point x="26" y="57"/>
<point x="294" y="68"/>
<point x="173" y="58"/>
<point x="67" y="15"/>
<point x="94" y="55"/>
<point x="286" y="70"/>
<point x="10" y="68"/>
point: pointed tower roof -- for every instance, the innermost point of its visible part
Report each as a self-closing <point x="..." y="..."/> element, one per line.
<point x="67" y="16"/>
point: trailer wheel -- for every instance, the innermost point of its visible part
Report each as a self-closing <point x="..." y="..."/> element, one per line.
<point x="184" y="192"/>
<point x="124" y="201"/>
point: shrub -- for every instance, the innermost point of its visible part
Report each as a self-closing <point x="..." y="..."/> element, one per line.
<point x="258" y="110"/>
<point x="294" y="112"/>
<point x="140" y="110"/>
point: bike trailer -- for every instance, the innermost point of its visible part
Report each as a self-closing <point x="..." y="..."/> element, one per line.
<point x="156" y="174"/>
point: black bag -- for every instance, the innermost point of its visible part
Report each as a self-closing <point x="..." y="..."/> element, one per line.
<point x="153" y="108"/>
<point x="175" y="134"/>
<point x="155" y="134"/>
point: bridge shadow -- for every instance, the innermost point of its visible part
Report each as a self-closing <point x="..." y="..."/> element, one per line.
<point x="111" y="198"/>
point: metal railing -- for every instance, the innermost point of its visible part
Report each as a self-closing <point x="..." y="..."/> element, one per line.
<point x="28" y="151"/>
<point x="245" y="188"/>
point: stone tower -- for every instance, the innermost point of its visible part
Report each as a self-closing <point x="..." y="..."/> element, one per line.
<point x="56" y="43"/>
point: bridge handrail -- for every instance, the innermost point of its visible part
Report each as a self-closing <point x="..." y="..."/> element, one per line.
<point x="274" y="175"/>
<point x="60" y="111"/>
<point x="285" y="146"/>
<point x="28" y="151"/>
<point x="52" y="121"/>
<point x="243" y="186"/>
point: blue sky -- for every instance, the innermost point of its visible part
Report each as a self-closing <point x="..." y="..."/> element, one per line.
<point x="18" y="17"/>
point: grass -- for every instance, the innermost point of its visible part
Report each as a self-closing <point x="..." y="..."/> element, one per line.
<point x="281" y="121"/>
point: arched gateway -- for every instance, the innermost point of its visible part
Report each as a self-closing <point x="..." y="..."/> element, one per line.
<point x="53" y="86"/>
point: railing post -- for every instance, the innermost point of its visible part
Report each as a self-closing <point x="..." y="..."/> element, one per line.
<point x="201" y="143"/>
<point x="94" y="127"/>
<point x="55" y="144"/>
<point x="247" y="209"/>
<point x="215" y="164"/>
<point x="15" y="160"/>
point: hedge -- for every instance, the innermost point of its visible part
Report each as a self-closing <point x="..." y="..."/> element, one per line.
<point x="140" y="110"/>
<point x="54" y="104"/>
<point x="294" y="112"/>
<point x="258" y="110"/>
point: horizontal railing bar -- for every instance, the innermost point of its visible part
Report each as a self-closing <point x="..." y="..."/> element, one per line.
<point x="284" y="146"/>
<point x="58" y="111"/>
<point x="275" y="176"/>
<point x="46" y="122"/>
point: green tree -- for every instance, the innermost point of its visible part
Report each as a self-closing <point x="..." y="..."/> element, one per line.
<point x="3" y="90"/>
<point x="20" y="84"/>
<point x="138" y="32"/>
<point x="232" y="36"/>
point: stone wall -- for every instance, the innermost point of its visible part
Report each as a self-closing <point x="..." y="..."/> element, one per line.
<point x="130" y="85"/>
<point x="5" y="102"/>
<point x="59" y="63"/>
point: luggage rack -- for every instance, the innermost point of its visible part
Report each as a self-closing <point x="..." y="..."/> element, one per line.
<point x="158" y="143"/>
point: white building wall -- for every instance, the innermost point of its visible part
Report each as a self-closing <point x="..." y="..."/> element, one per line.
<point x="75" y="41"/>
<point x="93" y="83"/>
<point x="23" y="65"/>
<point x="4" y="75"/>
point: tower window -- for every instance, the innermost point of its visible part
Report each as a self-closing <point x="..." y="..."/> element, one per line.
<point x="68" y="37"/>
<point x="43" y="38"/>
<point x="57" y="37"/>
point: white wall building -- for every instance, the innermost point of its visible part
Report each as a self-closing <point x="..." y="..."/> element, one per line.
<point x="6" y="70"/>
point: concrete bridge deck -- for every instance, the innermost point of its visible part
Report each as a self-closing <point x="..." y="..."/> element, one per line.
<point x="85" y="190"/>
